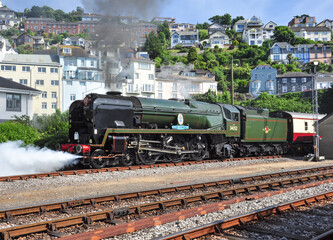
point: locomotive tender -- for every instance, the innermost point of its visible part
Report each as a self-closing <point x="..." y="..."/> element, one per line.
<point x="110" y="129"/>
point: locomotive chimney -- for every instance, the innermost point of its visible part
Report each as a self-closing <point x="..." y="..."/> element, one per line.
<point x="114" y="93"/>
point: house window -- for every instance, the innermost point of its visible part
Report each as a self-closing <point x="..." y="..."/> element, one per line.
<point x="82" y="83"/>
<point x="303" y="80"/>
<point x="284" y="80"/>
<point x="42" y="70"/>
<point x="159" y="86"/>
<point x="91" y="63"/>
<point x="151" y="76"/>
<point x="276" y="50"/>
<point x="13" y="102"/>
<point x="24" y="81"/>
<point x="306" y="126"/>
<point x="276" y="57"/>
<point x="174" y="87"/>
<point x="44" y="105"/>
<point x="54" y="94"/>
<point x="25" y="69"/>
<point x="8" y="68"/>
<point x="284" y="89"/>
<point x="40" y="82"/>
<point x="256" y="85"/>
<point x="293" y="88"/>
<point x="303" y="88"/>
<point x="293" y="80"/>
<point x="148" y="88"/>
<point x="67" y="50"/>
<point x="72" y="97"/>
<point x="144" y="66"/>
<point x="54" y="82"/>
<point x="54" y="105"/>
<point x="54" y="70"/>
<point x="160" y="95"/>
<point x="44" y="94"/>
<point x="69" y="83"/>
<point x="269" y="84"/>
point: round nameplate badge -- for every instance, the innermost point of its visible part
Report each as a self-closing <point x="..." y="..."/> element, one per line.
<point x="180" y="119"/>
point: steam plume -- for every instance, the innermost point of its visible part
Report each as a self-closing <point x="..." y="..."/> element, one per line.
<point x="138" y="8"/>
<point x="16" y="159"/>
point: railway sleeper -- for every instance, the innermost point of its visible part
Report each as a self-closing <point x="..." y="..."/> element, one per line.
<point x="270" y="232"/>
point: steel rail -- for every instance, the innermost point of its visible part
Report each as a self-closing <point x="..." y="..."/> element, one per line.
<point x="112" y="169"/>
<point x="218" y="226"/>
<point x="8" y="213"/>
<point x="171" y="217"/>
<point x="111" y="214"/>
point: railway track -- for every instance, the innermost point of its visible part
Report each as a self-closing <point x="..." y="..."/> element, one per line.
<point x="112" y="169"/>
<point x="283" y="221"/>
<point x="111" y="216"/>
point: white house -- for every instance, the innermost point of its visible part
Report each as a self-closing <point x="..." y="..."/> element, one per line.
<point x="255" y="32"/>
<point x="185" y="38"/>
<point x="313" y="33"/>
<point x="218" y="38"/>
<point x="182" y="82"/>
<point x="137" y="77"/>
<point x="15" y="99"/>
<point x="76" y="89"/>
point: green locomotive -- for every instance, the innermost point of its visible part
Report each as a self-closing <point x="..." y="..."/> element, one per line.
<point x="111" y="129"/>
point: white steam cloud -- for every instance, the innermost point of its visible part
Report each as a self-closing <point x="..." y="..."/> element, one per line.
<point x="16" y="159"/>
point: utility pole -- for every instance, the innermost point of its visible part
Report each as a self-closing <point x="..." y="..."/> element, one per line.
<point x="232" y="80"/>
<point x="316" y="142"/>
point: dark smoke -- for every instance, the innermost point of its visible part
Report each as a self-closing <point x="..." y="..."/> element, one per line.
<point x="143" y="9"/>
<point x="114" y="37"/>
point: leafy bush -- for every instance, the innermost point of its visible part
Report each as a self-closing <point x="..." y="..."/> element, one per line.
<point x="53" y="129"/>
<point x="13" y="131"/>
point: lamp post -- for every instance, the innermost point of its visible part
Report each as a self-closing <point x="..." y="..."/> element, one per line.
<point x="316" y="147"/>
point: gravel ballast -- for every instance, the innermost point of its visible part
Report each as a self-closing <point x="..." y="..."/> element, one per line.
<point x="234" y="210"/>
<point x="53" y="189"/>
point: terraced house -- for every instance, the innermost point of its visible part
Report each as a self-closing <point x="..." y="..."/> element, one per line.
<point x="41" y="72"/>
<point x="284" y="52"/>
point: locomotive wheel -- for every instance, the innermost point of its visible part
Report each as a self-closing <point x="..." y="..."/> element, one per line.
<point x="200" y="145"/>
<point x="179" y="142"/>
<point x="97" y="159"/>
<point x="128" y="159"/>
<point x="145" y="158"/>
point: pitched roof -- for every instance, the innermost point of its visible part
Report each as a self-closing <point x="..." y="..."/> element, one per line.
<point x="282" y="44"/>
<point x="310" y="29"/>
<point x="293" y="74"/>
<point x="5" y="83"/>
<point x="37" y="59"/>
<point x="186" y="33"/>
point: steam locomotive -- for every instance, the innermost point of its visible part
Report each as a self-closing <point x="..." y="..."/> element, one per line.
<point x="111" y="129"/>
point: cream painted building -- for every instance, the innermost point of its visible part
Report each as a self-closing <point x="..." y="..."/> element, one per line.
<point x="137" y="77"/>
<point x="179" y="81"/>
<point x="42" y="72"/>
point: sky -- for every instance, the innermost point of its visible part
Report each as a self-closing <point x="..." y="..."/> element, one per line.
<point x="194" y="11"/>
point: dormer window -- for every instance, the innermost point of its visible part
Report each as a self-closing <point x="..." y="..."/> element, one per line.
<point x="67" y="50"/>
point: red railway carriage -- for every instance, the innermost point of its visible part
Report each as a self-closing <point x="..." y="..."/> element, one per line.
<point x="301" y="129"/>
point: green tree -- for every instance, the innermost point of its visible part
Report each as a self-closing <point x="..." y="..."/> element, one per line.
<point x="225" y="19"/>
<point x="192" y="54"/>
<point x="203" y="34"/>
<point x="164" y="28"/>
<point x="153" y="45"/>
<point x="284" y="34"/>
<point x="204" y="25"/>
